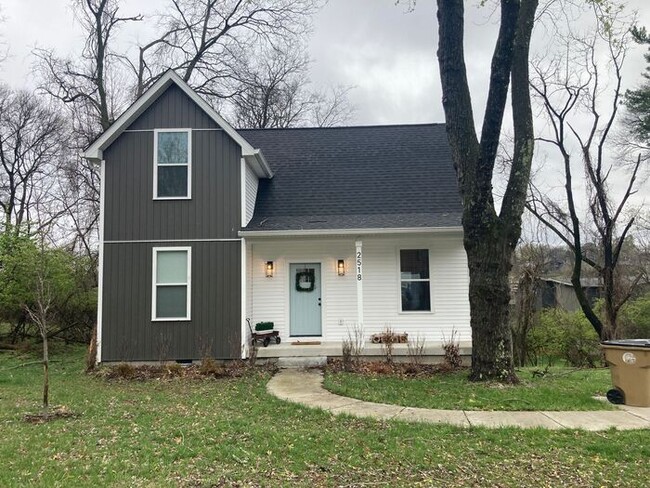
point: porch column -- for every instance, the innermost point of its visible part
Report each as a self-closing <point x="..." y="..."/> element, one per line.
<point x="359" y="276"/>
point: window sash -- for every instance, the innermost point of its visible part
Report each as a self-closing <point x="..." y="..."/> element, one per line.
<point x="408" y="276"/>
<point x="172" y="178"/>
<point x="159" y="283"/>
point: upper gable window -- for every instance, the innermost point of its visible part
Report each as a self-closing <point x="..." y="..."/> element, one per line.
<point x="172" y="163"/>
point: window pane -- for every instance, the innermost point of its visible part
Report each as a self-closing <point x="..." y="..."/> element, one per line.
<point x="172" y="267"/>
<point x="172" y="147"/>
<point x="415" y="296"/>
<point x="414" y="263"/>
<point x="171" y="301"/>
<point x="172" y="181"/>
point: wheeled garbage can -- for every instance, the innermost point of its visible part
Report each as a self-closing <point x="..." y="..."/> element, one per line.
<point x="629" y="364"/>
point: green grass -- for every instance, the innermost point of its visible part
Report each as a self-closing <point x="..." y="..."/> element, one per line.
<point x="559" y="389"/>
<point x="226" y="432"/>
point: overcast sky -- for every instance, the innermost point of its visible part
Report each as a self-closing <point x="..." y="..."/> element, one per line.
<point x="386" y="52"/>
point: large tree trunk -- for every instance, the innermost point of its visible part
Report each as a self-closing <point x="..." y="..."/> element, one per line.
<point x="489" y="238"/>
<point x="489" y="296"/>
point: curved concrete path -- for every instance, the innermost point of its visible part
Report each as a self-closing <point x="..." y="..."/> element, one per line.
<point x="306" y="388"/>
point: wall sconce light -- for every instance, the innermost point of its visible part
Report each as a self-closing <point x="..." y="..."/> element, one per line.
<point x="269" y="269"/>
<point x="340" y="267"/>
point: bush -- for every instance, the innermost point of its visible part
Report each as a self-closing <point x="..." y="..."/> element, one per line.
<point x="565" y="335"/>
<point x="634" y="319"/>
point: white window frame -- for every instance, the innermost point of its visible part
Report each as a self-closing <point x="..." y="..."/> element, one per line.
<point x="400" y="280"/>
<point x="154" y="284"/>
<point x="189" y="164"/>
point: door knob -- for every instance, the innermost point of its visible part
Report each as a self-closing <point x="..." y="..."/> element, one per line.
<point x="319" y="301"/>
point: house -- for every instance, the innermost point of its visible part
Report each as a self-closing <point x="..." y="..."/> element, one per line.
<point x="319" y="231"/>
<point x="559" y="293"/>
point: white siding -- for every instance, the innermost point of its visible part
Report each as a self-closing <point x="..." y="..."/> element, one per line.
<point x="251" y="193"/>
<point x="449" y="284"/>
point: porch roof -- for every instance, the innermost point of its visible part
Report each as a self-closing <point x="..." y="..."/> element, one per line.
<point x="366" y="177"/>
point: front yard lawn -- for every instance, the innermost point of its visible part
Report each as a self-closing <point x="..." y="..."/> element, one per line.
<point x="230" y="432"/>
<point x="558" y="389"/>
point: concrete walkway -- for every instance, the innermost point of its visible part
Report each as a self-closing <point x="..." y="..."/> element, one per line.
<point x="306" y="388"/>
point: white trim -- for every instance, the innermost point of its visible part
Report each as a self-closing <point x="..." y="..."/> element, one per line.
<point x="154" y="284"/>
<point x="401" y="311"/>
<point x="94" y="151"/>
<point x="344" y="232"/>
<point x="155" y="241"/>
<point x="188" y="195"/>
<point x="358" y="274"/>
<point x="244" y="301"/>
<point x="100" y="273"/>
<point x="242" y="191"/>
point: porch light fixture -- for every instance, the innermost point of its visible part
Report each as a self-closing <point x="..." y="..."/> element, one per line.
<point x="269" y="269"/>
<point x="340" y="267"/>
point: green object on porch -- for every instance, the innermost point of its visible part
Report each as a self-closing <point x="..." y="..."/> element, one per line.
<point x="263" y="326"/>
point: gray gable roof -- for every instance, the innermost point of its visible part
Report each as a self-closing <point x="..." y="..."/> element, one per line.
<point x="369" y="177"/>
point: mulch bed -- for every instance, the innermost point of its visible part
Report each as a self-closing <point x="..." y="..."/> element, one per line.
<point x="382" y="368"/>
<point x="207" y="369"/>
<point x="59" y="412"/>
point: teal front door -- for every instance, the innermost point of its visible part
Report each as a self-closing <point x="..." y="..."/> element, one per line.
<point x="305" y="303"/>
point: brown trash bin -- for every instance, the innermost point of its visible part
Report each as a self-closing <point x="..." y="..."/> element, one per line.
<point x="629" y="363"/>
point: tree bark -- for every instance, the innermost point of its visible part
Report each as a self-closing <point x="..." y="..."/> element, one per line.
<point x="46" y="371"/>
<point x="489" y="239"/>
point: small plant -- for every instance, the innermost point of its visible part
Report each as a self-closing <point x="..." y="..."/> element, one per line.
<point x="352" y="347"/>
<point x="209" y="367"/>
<point x="91" y="355"/>
<point x="416" y="350"/>
<point x="387" y="344"/>
<point x="451" y="348"/>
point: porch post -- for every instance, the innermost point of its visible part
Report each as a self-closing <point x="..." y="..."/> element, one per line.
<point x="359" y="276"/>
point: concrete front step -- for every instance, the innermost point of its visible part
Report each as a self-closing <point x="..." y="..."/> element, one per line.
<point x="302" y="362"/>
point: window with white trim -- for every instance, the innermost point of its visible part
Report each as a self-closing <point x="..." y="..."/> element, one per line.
<point x="171" y="283"/>
<point x="415" y="282"/>
<point x="172" y="163"/>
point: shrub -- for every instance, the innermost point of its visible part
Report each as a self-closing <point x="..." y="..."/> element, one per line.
<point x="451" y="348"/>
<point x="565" y="335"/>
<point x="634" y="319"/>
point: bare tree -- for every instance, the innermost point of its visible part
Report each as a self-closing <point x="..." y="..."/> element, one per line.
<point x="531" y="261"/>
<point x="90" y="88"/>
<point x="203" y="40"/>
<point x="275" y="93"/>
<point x="489" y="237"/>
<point x="572" y="90"/>
<point x="40" y="313"/>
<point x="32" y="142"/>
<point x="87" y="84"/>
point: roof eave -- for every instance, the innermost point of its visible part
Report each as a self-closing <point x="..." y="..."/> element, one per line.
<point x="356" y="231"/>
<point x="259" y="164"/>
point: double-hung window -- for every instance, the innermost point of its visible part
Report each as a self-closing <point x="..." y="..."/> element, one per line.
<point x="171" y="283"/>
<point x="415" y="282"/>
<point x="172" y="177"/>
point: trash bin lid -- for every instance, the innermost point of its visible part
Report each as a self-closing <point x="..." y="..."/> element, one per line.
<point x="628" y="343"/>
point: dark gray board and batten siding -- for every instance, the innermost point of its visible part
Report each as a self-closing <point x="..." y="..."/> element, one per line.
<point x="131" y="214"/>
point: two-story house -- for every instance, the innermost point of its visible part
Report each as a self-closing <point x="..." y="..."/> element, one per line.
<point x="318" y="230"/>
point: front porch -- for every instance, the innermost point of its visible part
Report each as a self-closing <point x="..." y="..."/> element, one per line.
<point x="432" y="352"/>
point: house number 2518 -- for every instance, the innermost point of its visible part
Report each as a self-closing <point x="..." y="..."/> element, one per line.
<point x="359" y="266"/>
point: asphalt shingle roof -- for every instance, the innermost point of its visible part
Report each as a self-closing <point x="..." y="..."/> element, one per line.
<point x="393" y="176"/>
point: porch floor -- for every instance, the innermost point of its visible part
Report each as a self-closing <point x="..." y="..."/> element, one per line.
<point x="432" y="352"/>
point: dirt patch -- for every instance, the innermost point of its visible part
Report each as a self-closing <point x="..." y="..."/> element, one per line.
<point x="59" y="412"/>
